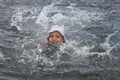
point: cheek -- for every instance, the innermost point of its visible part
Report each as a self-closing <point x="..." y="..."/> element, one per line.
<point x="61" y="40"/>
<point x="49" y="39"/>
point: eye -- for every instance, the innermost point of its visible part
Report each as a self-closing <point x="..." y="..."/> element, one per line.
<point x="57" y="36"/>
<point x="51" y="36"/>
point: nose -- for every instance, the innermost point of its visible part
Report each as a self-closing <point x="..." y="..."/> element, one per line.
<point x="54" y="38"/>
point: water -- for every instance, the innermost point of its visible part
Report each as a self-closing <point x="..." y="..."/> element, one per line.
<point x="91" y="51"/>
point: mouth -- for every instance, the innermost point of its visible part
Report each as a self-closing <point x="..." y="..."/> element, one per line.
<point x="54" y="42"/>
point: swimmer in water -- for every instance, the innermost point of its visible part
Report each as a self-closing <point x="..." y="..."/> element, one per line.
<point x="56" y="35"/>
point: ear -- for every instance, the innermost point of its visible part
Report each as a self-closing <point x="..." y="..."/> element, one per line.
<point x="63" y="38"/>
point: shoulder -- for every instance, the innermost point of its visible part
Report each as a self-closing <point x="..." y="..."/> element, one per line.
<point x="43" y="43"/>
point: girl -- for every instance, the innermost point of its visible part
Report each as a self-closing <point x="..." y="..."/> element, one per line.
<point x="56" y="35"/>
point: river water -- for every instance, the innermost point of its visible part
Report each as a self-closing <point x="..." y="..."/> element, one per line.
<point x="92" y="34"/>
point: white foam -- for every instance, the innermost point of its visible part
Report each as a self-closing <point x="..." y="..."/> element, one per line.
<point x="42" y="18"/>
<point x="1" y="55"/>
<point x="71" y="17"/>
<point x="71" y="47"/>
<point x="68" y="18"/>
<point x="106" y="44"/>
<point x="21" y="15"/>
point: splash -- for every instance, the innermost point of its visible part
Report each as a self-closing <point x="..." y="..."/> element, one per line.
<point x="52" y="14"/>
<point x="74" y="20"/>
<point x="1" y="56"/>
<point x="22" y="15"/>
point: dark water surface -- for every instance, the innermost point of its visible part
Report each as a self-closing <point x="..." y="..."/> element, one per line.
<point x="91" y="51"/>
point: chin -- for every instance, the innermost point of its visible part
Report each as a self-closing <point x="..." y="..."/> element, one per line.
<point x="52" y="44"/>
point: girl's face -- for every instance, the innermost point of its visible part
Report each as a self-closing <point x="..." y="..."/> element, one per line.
<point x="55" y="38"/>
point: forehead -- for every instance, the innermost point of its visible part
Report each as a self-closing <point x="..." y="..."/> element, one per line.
<point x="55" y="32"/>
